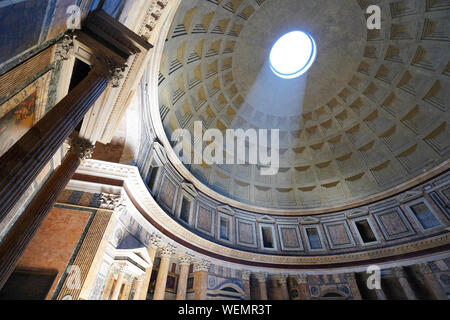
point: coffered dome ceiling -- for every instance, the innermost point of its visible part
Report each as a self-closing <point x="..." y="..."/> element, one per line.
<point x="371" y="113"/>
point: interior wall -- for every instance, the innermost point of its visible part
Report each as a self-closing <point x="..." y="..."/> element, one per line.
<point x="55" y="242"/>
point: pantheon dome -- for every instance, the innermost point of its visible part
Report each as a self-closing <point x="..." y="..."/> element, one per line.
<point x="108" y="110"/>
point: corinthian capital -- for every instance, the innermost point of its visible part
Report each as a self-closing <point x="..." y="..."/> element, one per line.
<point x="114" y="71"/>
<point x="155" y="241"/>
<point x="201" y="266"/>
<point x="185" y="260"/>
<point x="111" y="201"/>
<point x="246" y="275"/>
<point x="167" y="251"/>
<point x="302" y="278"/>
<point x="80" y="147"/>
<point x="65" y="47"/>
<point x="261" y="277"/>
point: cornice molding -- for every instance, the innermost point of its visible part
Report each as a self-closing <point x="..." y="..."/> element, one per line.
<point x="158" y="218"/>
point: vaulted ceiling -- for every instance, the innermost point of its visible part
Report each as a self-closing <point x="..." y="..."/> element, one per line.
<point x="372" y="112"/>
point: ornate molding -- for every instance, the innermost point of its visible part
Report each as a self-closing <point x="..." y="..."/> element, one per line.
<point x="282" y="278"/>
<point x="138" y="190"/>
<point x="112" y="70"/>
<point x="111" y="201"/>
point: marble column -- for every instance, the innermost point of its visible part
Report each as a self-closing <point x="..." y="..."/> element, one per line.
<point x="108" y="284"/>
<point x="154" y="244"/>
<point x="138" y="285"/>
<point x="351" y="279"/>
<point x="201" y="269"/>
<point x="246" y="282"/>
<point x="261" y="277"/>
<point x="303" y="289"/>
<point x="160" y="288"/>
<point x="118" y="286"/>
<point x="400" y="274"/>
<point x="23" y="162"/>
<point x="430" y="281"/>
<point x="18" y="238"/>
<point x="282" y="279"/>
<point x="380" y="294"/>
<point x="185" y="263"/>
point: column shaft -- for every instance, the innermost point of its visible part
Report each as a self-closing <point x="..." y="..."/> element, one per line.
<point x="284" y="290"/>
<point x="138" y="283"/>
<point x="399" y="272"/>
<point x="160" y="288"/>
<point x="22" y="163"/>
<point x="148" y="275"/>
<point x="118" y="286"/>
<point x="200" y="285"/>
<point x="262" y="286"/>
<point x="246" y="282"/>
<point x="182" y="281"/>
<point x="16" y="241"/>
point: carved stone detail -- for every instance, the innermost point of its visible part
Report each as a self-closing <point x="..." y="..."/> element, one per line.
<point x="185" y="260"/>
<point x="155" y="241"/>
<point x="111" y="201"/>
<point x="65" y="47"/>
<point x="162" y="3"/>
<point x="80" y="147"/>
<point x="201" y="266"/>
<point x="261" y="277"/>
<point x="302" y="278"/>
<point x="246" y="275"/>
<point x="167" y="251"/>
<point x="424" y="268"/>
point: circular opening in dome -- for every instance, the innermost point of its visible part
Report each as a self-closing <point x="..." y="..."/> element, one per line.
<point x="293" y="54"/>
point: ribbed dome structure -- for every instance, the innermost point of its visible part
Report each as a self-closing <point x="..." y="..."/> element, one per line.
<point x="370" y="114"/>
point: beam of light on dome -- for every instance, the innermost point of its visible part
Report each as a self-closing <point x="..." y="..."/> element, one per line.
<point x="293" y="54"/>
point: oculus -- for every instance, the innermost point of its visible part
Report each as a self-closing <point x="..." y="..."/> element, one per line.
<point x="293" y="54"/>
